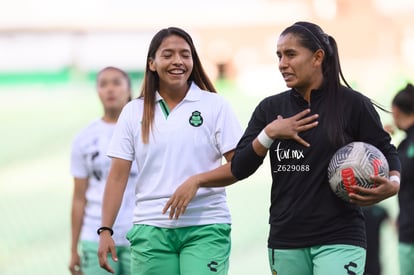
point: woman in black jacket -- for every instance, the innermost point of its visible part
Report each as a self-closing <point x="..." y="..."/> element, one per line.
<point x="311" y="230"/>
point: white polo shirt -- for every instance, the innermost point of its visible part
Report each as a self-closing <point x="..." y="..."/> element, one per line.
<point x="89" y="160"/>
<point x="190" y="139"/>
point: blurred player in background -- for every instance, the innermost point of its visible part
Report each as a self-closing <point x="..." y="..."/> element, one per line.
<point x="403" y="115"/>
<point x="375" y="217"/>
<point x="90" y="167"/>
<point x="178" y="127"/>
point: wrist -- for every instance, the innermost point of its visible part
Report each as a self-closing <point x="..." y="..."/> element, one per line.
<point x="264" y="139"/>
<point x="395" y="178"/>
<point x="105" y="228"/>
<point x="199" y="181"/>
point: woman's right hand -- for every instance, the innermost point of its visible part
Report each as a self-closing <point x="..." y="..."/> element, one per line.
<point x="75" y="264"/>
<point x="106" y="246"/>
<point x="289" y="128"/>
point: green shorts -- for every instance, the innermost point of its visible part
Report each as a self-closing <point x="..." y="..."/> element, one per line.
<point x="90" y="262"/>
<point x="318" y="260"/>
<point x="201" y="250"/>
<point x="406" y="258"/>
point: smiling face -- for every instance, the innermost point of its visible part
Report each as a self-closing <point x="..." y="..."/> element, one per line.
<point x="173" y="63"/>
<point x="300" y="67"/>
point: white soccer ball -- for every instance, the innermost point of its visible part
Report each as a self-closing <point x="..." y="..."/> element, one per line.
<point x="353" y="164"/>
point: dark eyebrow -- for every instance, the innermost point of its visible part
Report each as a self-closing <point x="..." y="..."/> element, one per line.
<point x="181" y="51"/>
<point x="166" y="51"/>
<point x="288" y="51"/>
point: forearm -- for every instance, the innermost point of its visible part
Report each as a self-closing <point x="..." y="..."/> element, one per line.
<point x="116" y="183"/>
<point x="111" y="204"/>
<point x="78" y="210"/>
<point x="218" y="177"/>
<point x="258" y="148"/>
<point x="395" y="180"/>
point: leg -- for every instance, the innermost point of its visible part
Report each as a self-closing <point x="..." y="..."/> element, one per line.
<point x="290" y="261"/>
<point x="406" y="258"/>
<point x="205" y="250"/>
<point x="338" y="259"/>
<point x="153" y="251"/>
<point x="124" y="260"/>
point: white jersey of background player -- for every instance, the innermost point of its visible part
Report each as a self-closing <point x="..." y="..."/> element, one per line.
<point x="89" y="167"/>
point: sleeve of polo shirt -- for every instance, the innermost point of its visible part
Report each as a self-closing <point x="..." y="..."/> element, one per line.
<point x="228" y="128"/>
<point x="122" y="142"/>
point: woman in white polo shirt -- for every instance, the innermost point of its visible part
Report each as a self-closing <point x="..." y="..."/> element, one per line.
<point x="178" y="127"/>
<point x="89" y="167"/>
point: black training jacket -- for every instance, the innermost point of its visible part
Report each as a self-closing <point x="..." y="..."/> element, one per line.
<point x="406" y="194"/>
<point x="304" y="211"/>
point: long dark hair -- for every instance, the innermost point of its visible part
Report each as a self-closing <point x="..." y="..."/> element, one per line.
<point x="312" y="37"/>
<point x="151" y="79"/>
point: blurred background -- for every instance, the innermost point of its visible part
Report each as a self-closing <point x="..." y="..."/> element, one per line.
<point x="51" y="50"/>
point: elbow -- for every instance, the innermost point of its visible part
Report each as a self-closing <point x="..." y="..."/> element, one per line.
<point x="245" y="162"/>
<point x="242" y="169"/>
<point x="238" y="174"/>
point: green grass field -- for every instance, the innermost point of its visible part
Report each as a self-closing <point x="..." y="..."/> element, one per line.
<point x="38" y="123"/>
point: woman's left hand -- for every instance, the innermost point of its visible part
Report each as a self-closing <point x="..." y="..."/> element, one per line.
<point x="368" y="196"/>
<point x="181" y="198"/>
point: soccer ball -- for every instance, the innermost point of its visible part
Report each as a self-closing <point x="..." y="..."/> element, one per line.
<point x="353" y="164"/>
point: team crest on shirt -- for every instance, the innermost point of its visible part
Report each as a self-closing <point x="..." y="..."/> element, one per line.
<point x="274" y="272"/>
<point x="196" y="119"/>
